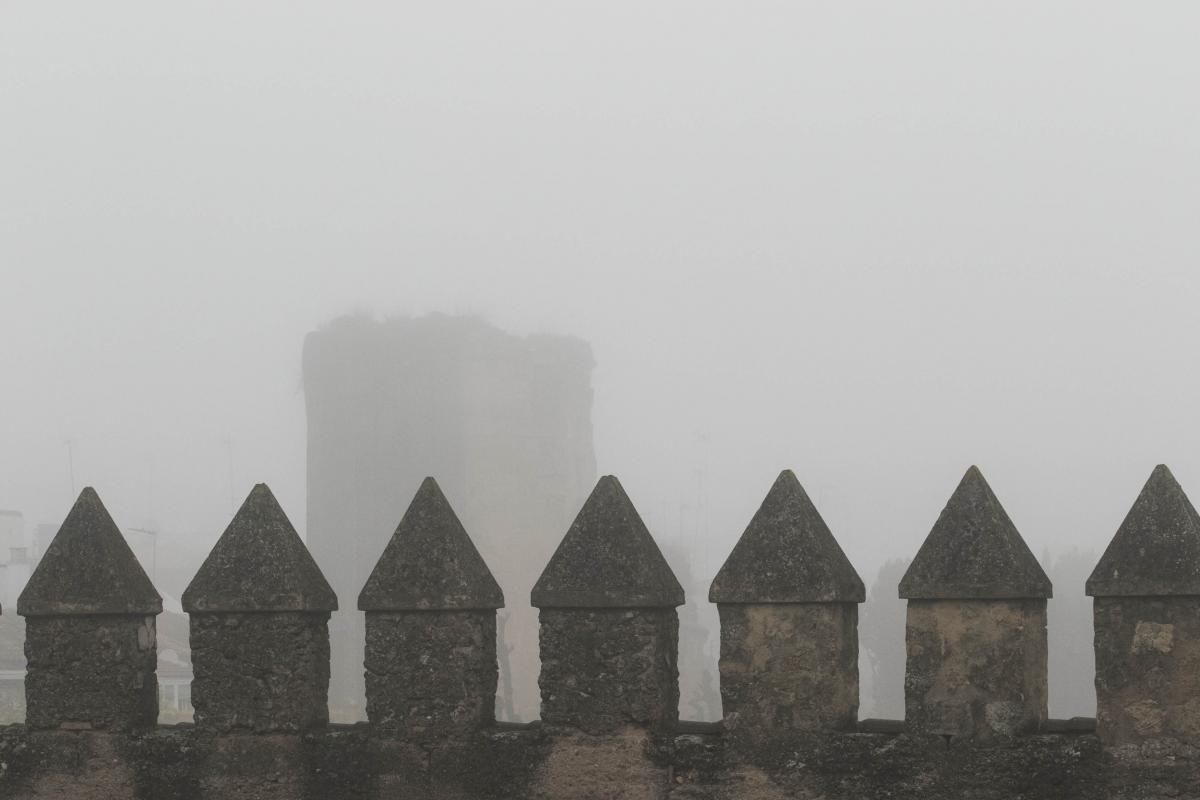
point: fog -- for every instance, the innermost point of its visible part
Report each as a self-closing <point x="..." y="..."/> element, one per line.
<point x="874" y="243"/>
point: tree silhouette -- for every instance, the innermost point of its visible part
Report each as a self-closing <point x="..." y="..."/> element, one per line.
<point x="881" y="627"/>
<point x="1069" y="620"/>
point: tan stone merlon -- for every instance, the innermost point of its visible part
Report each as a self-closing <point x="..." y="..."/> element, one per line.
<point x="976" y="631"/>
<point x="1146" y="591"/>
<point x="788" y="603"/>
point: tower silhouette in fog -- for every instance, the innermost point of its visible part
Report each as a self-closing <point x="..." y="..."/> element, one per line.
<point x="502" y="422"/>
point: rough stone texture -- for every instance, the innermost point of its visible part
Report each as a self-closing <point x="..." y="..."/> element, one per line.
<point x="259" y="564"/>
<point x="91" y="672"/>
<point x="1156" y="551"/>
<point x="787" y="555"/>
<point x="69" y="766"/>
<point x="431" y="674"/>
<point x="614" y="767"/>
<point x="870" y="766"/>
<point x="606" y="669"/>
<point x="1147" y="619"/>
<point x="974" y="551"/>
<point x="430" y="563"/>
<point x="88" y="569"/>
<point x="90" y="636"/>
<point x="524" y="763"/>
<point x="976" y="667"/>
<point x="260" y="672"/>
<point x="607" y="559"/>
<point x="787" y="668"/>
<point x="267" y="767"/>
<point x="1147" y="668"/>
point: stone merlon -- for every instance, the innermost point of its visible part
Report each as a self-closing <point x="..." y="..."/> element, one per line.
<point x="430" y="563"/>
<point x="974" y="552"/>
<point x="607" y="559"/>
<point x="259" y="564"/>
<point x="88" y="569"/>
<point x="787" y="555"/>
<point x="1156" y="551"/>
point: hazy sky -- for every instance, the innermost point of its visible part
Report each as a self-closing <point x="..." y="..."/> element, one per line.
<point x="874" y="243"/>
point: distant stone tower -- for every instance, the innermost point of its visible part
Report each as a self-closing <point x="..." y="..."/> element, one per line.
<point x="504" y="425"/>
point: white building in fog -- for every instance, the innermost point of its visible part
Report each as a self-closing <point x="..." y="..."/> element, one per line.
<point x="15" y="557"/>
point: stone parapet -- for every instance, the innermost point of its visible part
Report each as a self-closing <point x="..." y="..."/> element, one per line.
<point x="787" y="597"/>
<point x="530" y="762"/>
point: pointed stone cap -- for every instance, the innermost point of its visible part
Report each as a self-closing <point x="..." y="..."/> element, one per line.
<point x="607" y="559"/>
<point x="430" y="563"/>
<point x="974" y="552"/>
<point x="1156" y="552"/>
<point x="259" y="564"/>
<point x="787" y="555"/>
<point x="88" y="569"/>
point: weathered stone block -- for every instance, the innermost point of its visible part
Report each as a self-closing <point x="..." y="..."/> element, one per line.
<point x="431" y="674"/>
<point x="610" y="767"/>
<point x="93" y="671"/>
<point x="976" y="667"/>
<point x="1147" y="668"/>
<point x="788" y="667"/>
<point x="605" y="669"/>
<point x="261" y="672"/>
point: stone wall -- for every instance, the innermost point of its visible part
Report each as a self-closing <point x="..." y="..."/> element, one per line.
<point x="976" y="728"/>
<point x="532" y="762"/>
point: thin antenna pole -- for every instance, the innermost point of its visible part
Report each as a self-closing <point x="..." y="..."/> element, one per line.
<point x="71" y="463"/>
<point x="149" y="492"/>
<point x="229" y="455"/>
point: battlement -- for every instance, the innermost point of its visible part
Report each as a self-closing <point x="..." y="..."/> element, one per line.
<point x="975" y="686"/>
